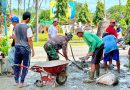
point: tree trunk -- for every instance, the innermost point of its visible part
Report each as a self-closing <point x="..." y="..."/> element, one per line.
<point x="24" y="5"/>
<point x="36" y="20"/>
<point x="102" y="27"/>
<point x="41" y="4"/>
<point x="18" y="8"/>
<point x="10" y="6"/>
<point x="28" y="3"/>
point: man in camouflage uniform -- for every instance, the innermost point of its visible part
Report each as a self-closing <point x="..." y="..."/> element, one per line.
<point x="52" y="46"/>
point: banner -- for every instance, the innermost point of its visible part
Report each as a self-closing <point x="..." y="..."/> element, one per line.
<point x="71" y="9"/>
<point x="70" y="13"/>
<point x="52" y="8"/>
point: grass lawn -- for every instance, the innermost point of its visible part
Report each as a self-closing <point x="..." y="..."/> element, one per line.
<point x="41" y="43"/>
<point x="43" y="38"/>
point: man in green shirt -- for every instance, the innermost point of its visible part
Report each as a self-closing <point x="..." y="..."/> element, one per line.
<point x="128" y="41"/>
<point x="95" y="50"/>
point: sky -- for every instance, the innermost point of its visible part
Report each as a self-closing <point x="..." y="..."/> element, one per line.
<point x="91" y="3"/>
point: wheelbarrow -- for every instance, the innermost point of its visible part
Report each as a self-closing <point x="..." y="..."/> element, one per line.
<point x="55" y="72"/>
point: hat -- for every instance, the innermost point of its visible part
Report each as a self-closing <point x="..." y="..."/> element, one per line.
<point x="128" y="27"/>
<point x="55" y="20"/>
<point x="79" y="30"/>
<point x="112" y="20"/>
<point x="14" y="19"/>
<point x="69" y="36"/>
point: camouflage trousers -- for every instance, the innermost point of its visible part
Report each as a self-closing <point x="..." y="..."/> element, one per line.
<point x="51" y="52"/>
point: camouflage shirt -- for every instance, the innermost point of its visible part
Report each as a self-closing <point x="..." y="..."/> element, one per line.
<point x="59" y="42"/>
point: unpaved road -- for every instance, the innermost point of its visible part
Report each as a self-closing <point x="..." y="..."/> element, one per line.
<point x="75" y="77"/>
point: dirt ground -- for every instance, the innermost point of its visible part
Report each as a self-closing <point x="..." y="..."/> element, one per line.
<point x="75" y="78"/>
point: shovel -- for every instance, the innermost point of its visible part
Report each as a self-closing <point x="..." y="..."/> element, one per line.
<point x="73" y="62"/>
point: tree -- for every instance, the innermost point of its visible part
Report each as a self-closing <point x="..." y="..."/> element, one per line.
<point x="44" y="15"/>
<point x="41" y="3"/>
<point x="10" y="6"/>
<point x="127" y="15"/>
<point x="28" y="3"/>
<point x="123" y="25"/>
<point x="84" y="14"/>
<point x="99" y="14"/>
<point x="116" y="12"/>
<point x="78" y="9"/>
<point x="61" y="12"/>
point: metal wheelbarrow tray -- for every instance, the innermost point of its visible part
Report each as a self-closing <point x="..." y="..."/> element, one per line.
<point x="55" y="70"/>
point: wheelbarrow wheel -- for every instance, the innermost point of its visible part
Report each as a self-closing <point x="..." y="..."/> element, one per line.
<point x="38" y="83"/>
<point x="61" y="77"/>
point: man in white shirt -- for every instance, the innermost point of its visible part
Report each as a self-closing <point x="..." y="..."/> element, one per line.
<point x="52" y="31"/>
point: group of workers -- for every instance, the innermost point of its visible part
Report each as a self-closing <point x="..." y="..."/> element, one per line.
<point x="22" y="47"/>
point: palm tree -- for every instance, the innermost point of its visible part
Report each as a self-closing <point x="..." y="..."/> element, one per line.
<point x="24" y="5"/>
<point x="0" y="9"/>
<point x="18" y="8"/>
<point x="41" y="3"/>
<point x="36" y="20"/>
<point x="28" y="3"/>
<point x="10" y="6"/>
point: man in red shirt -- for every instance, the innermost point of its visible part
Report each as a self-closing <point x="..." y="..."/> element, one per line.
<point x="110" y="29"/>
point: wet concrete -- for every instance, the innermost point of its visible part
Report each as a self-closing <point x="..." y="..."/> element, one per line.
<point x="75" y="79"/>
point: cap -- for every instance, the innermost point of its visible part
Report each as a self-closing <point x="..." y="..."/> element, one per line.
<point x="55" y="20"/>
<point x="79" y="30"/>
<point x="112" y="20"/>
<point x="128" y="27"/>
<point x="14" y="19"/>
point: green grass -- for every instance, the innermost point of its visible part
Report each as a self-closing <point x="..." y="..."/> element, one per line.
<point x="44" y="36"/>
<point x="40" y="44"/>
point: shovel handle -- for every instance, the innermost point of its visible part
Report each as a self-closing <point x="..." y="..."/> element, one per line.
<point x="73" y="62"/>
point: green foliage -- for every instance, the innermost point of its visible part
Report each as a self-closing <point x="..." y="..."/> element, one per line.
<point x="123" y="25"/>
<point x="84" y="14"/>
<point x="33" y="19"/>
<point x="78" y="9"/>
<point x="44" y="15"/>
<point x="127" y="15"/>
<point x="99" y="14"/>
<point x="3" y="45"/>
<point x="42" y="37"/>
<point x="61" y="12"/>
<point x="116" y="12"/>
<point x="15" y="11"/>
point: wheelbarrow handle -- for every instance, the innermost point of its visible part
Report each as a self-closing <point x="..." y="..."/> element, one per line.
<point x="33" y="68"/>
<point x="20" y="65"/>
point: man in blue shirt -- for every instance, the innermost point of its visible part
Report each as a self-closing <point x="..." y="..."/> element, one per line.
<point x="110" y="50"/>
